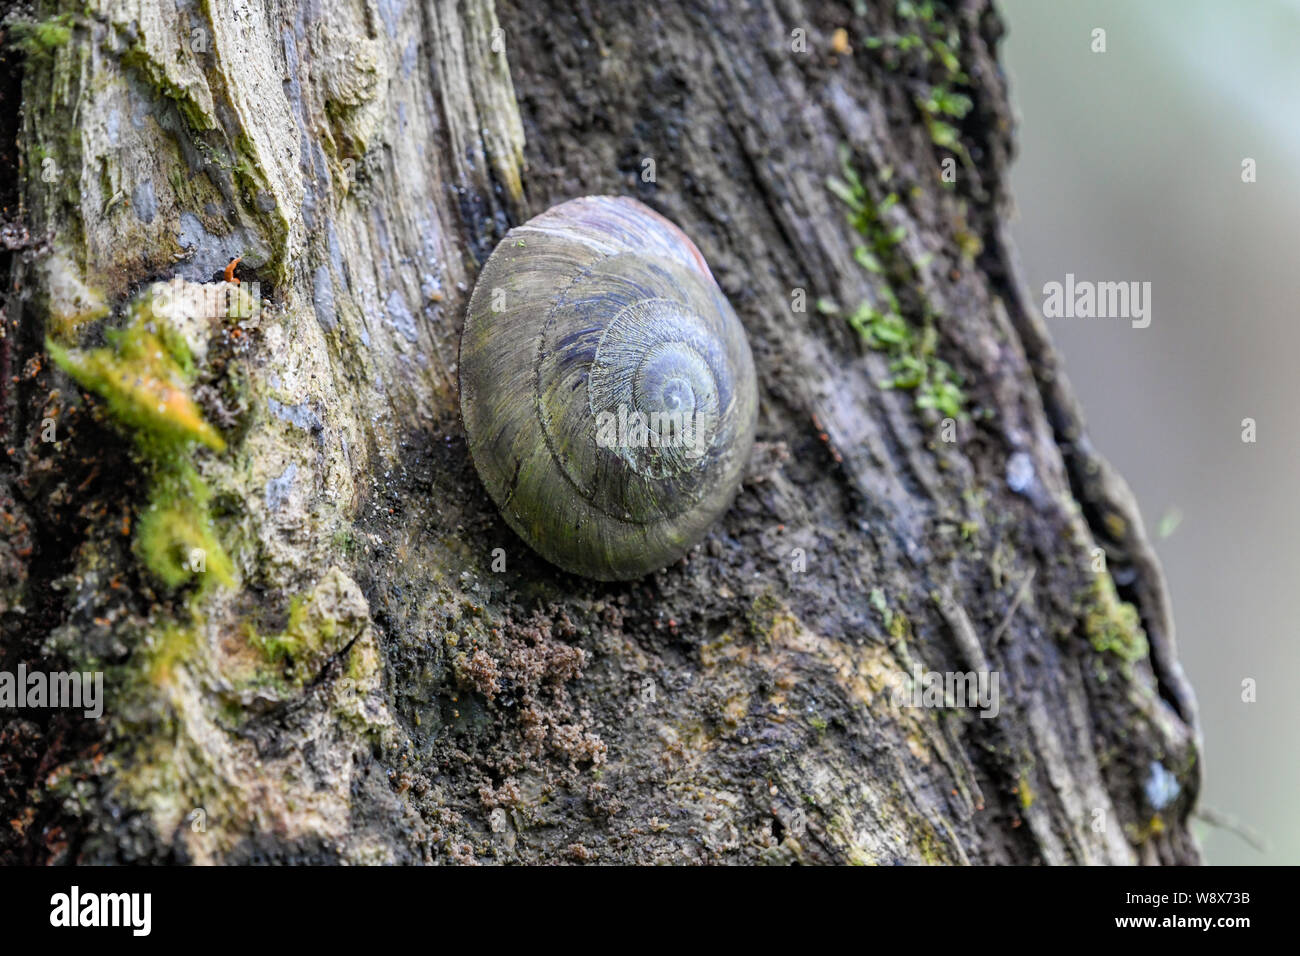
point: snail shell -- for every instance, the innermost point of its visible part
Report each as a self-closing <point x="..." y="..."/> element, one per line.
<point x="596" y="314"/>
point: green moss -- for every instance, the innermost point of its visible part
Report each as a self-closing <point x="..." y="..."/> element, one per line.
<point x="933" y="850"/>
<point x="941" y="101"/>
<point x="926" y="46"/>
<point x="321" y="624"/>
<point x="145" y="375"/>
<point x="763" y="616"/>
<point x="146" y="385"/>
<point x="169" y="645"/>
<point x="237" y="156"/>
<point x="896" y="623"/>
<point x="305" y="634"/>
<point x="900" y="626"/>
<point x="43" y="38"/>
<point x="359" y="667"/>
<point x="245" y="166"/>
<point x="877" y="599"/>
<point x="174" y="536"/>
<point x="881" y="326"/>
<point x="1024" y="792"/>
<point x="345" y="541"/>
<point x="1138" y="834"/>
<point x="137" y="58"/>
<point x="970" y="244"/>
<point x="922" y="40"/>
<point x="1112" y="625"/>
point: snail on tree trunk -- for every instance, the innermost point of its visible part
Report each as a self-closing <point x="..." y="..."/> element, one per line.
<point x="607" y="388"/>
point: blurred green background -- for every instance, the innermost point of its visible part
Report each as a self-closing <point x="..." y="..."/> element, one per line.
<point x="1130" y="169"/>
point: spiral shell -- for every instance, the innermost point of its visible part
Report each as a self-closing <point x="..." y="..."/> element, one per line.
<point x="589" y="321"/>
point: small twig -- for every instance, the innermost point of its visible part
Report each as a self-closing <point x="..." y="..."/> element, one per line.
<point x="1224" y="822"/>
<point x="1015" y="603"/>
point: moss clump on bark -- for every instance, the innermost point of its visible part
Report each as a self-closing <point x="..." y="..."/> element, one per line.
<point x="882" y="327"/>
<point x="44" y="37"/>
<point x="321" y="623"/>
<point x="145" y="375"/>
<point x="1112" y="625"/>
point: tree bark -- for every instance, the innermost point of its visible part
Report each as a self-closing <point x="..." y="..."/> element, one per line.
<point x="262" y="525"/>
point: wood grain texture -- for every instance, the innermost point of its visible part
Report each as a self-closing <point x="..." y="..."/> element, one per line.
<point x="369" y="689"/>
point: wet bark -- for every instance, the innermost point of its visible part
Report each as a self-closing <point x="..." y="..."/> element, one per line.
<point x="343" y="673"/>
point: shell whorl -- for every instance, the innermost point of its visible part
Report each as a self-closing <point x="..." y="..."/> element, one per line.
<point x="587" y="322"/>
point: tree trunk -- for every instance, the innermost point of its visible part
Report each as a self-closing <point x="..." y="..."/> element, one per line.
<point x="262" y="525"/>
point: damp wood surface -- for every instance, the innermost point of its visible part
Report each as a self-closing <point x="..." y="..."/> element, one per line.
<point x="349" y="679"/>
